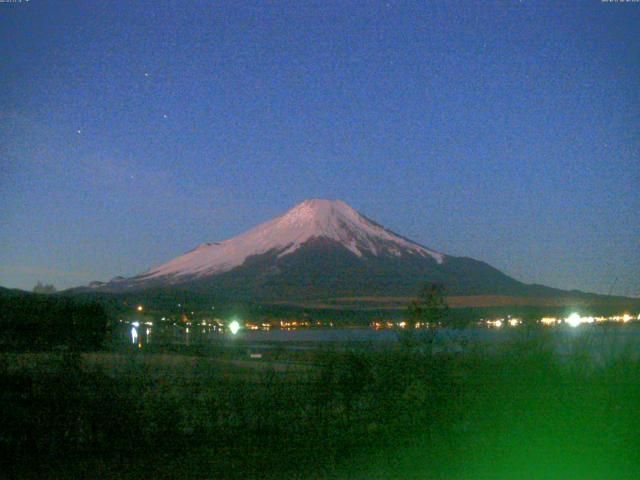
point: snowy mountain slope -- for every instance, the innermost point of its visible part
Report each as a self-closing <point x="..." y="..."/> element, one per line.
<point x="312" y="219"/>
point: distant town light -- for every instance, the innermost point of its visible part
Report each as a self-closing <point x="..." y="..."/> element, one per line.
<point x="139" y="308"/>
<point x="134" y="335"/>
<point x="234" y="327"/>
<point x="574" y="320"/>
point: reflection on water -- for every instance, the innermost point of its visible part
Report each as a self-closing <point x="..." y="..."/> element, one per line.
<point x="133" y="333"/>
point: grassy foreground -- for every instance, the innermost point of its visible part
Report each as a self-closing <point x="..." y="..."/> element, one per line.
<point x="399" y="413"/>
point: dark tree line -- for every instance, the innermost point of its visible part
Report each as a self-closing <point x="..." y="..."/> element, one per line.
<point x="44" y="288"/>
<point x="41" y="322"/>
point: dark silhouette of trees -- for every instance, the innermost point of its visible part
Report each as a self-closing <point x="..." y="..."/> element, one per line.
<point x="44" y="288"/>
<point x="40" y="322"/>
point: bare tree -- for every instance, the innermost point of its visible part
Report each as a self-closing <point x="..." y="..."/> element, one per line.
<point x="44" y="288"/>
<point x="428" y="311"/>
<point x="430" y="308"/>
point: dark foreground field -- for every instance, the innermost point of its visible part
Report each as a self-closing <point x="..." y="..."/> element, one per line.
<point x="522" y="413"/>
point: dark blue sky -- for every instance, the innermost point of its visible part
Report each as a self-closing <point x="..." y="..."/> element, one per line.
<point x="508" y="132"/>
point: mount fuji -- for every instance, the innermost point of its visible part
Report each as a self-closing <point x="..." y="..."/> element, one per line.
<point x="312" y="220"/>
<point x="321" y="249"/>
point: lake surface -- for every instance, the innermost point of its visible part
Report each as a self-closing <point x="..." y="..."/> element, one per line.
<point x="590" y="338"/>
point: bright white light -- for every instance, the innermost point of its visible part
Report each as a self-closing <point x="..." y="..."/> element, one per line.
<point x="573" y="320"/>
<point x="136" y="324"/>
<point x="134" y="335"/>
<point x="234" y="327"/>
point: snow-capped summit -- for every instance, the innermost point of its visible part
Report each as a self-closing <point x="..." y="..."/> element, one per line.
<point x="313" y="219"/>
